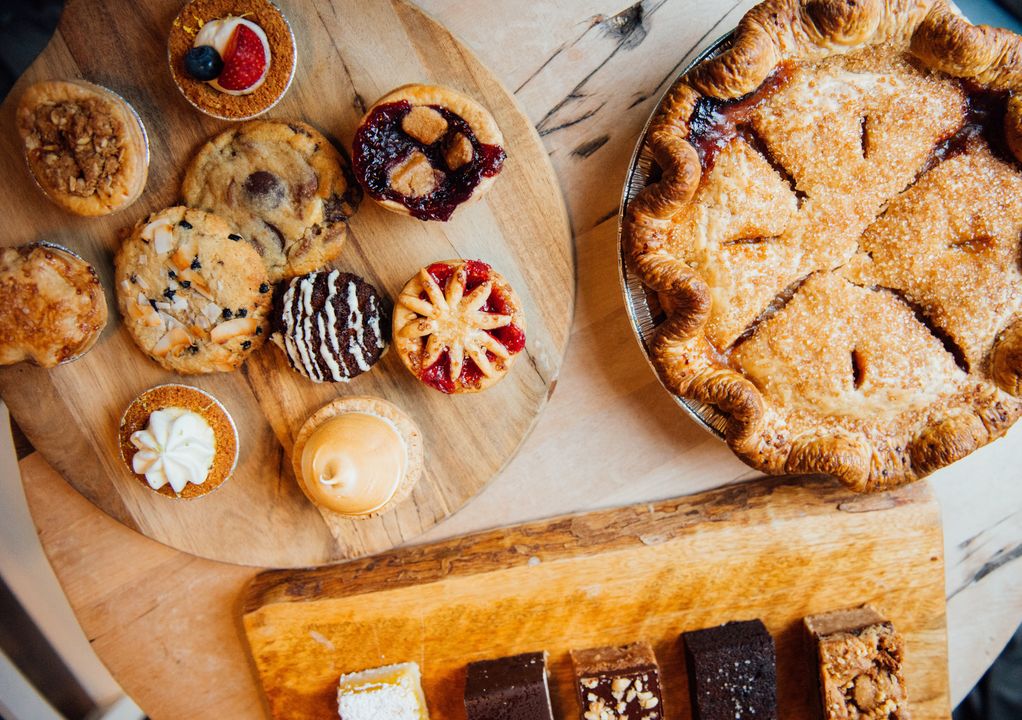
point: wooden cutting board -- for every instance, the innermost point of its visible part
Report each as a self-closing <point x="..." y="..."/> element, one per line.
<point x="349" y="53"/>
<point x="773" y="549"/>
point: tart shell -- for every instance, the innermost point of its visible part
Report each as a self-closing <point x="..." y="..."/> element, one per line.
<point x="479" y="119"/>
<point x="209" y="100"/>
<point x="412" y="349"/>
<point x="136" y="417"/>
<point x="49" y="339"/>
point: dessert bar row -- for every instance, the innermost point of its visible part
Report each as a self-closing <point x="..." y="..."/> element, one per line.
<point x="732" y="675"/>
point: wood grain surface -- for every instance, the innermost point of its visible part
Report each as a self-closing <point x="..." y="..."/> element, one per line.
<point x="587" y="72"/>
<point x="350" y="53"/>
<point x="773" y="549"/>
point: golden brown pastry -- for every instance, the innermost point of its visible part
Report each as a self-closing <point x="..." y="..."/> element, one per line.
<point x="178" y="441"/>
<point x="834" y="237"/>
<point x="458" y="326"/>
<point x="86" y="147"/>
<point x="52" y="306"/>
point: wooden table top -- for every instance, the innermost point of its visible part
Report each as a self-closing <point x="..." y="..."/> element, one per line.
<point x="587" y="73"/>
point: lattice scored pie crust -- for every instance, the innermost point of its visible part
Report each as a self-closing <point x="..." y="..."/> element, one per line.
<point x="895" y="347"/>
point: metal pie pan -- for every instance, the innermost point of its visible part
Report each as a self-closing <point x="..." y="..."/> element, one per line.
<point x="644" y="318"/>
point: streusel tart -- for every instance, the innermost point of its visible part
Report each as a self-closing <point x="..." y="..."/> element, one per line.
<point x="86" y="147"/>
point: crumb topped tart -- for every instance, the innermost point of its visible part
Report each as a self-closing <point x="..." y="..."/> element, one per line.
<point x="86" y="147"/>
<point x="833" y="235"/>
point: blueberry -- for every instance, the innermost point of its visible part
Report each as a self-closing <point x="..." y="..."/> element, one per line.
<point x="203" y="62"/>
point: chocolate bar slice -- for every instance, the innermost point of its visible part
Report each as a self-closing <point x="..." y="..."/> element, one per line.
<point x="732" y="671"/>
<point x="860" y="658"/>
<point x="508" y="688"/>
<point x="618" y="683"/>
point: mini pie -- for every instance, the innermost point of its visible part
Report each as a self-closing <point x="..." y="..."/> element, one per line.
<point x="458" y="326"/>
<point x="424" y="151"/>
<point x="52" y="306"/>
<point x="834" y="238"/>
<point x="194" y="294"/>
<point x="138" y="415"/>
<point x="86" y="148"/>
<point x="283" y="185"/>
<point x="357" y="458"/>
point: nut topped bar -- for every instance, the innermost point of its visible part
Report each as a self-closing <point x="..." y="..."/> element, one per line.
<point x="732" y="671"/>
<point x="508" y="688"/>
<point x="860" y="657"/>
<point x="618" y="683"/>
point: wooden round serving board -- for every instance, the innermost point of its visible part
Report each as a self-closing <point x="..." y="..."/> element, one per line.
<point x="349" y="53"/>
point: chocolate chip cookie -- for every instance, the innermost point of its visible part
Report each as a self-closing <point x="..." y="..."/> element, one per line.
<point x="193" y="293"/>
<point x="283" y="185"/>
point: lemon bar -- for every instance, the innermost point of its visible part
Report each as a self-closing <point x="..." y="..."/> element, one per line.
<point x="392" y="692"/>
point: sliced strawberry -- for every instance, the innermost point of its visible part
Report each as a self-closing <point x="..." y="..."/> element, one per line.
<point x="244" y="60"/>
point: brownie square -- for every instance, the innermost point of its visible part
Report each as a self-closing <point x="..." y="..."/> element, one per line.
<point x="732" y="671"/>
<point x="860" y="659"/>
<point x="618" y="683"/>
<point x="508" y="688"/>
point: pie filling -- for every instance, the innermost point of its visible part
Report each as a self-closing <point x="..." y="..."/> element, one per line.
<point x="430" y="179"/>
<point x="438" y="375"/>
<point x="76" y="147"/>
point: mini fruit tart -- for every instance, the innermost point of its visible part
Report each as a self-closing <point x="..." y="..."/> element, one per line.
<point x="232" y="59"/>
<point x="194" y="294"/>
<point x="458" y="326"/>
<point x="86" y="147"/>
<point x="425" y="151"/>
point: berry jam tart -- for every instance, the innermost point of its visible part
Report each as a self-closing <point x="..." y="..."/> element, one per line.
<point x="232" y="59"/>
<point x="458" y="326"/>
<point x="424" y="151"/>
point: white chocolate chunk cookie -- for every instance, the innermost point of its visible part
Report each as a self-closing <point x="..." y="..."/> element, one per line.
<point x="195" y="296"/>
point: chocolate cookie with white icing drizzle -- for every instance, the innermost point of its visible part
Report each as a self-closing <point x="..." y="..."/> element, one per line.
<point x="330" y="325"/>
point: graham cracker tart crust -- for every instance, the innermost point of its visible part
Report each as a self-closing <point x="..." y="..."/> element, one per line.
<point x="136" y="417"/>
<point x="211" y="101"/>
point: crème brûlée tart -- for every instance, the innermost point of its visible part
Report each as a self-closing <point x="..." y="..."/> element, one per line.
<point x="178" y="441"/>
<point x="357" y="457"/>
